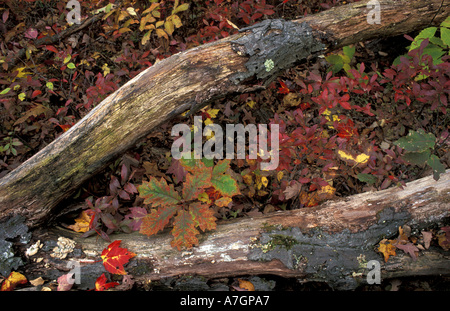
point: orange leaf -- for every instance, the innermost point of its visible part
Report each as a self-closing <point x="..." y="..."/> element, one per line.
<point x="14" y="279"/>
<point x="82" y="222"/>
<point x="101" y="285"/>
<point x="246" y="285"/>
<point x="114" y="257"/>
<point x="387" y="249"/>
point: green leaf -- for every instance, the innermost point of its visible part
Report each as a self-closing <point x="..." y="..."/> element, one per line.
<point x="367" y="178"/>
<point x="416" y="141"/>
<point x="49" y="85"/>
<point x="427" y="33"/>
<point x="71" y="65"/>
<point x="349" y="51"/>
<point x="417" y="158"/>
<point x="5" y="91"/>
<point x="446" y="23"/>
<point x="436" y="165"/>
<point x="157" y="220"/>
<point x="158" y="192"/>
<point x="222" y="182"/>
<point x="445" y="36"/>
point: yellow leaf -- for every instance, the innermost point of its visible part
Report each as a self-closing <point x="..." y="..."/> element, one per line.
<point x="280" y="175"/>
<point x="21" y="96"/>
<point x="169" y="27"/>
<point x="81" y="223"/>
<point x="105" y="69"/>
<point x="208" y="121"/>
<point x="204" y="197"/>
<point x="360" y="159"/>
<point x="223" y="201"/>
<point x="264" y="181"/>
<point x="213" y="112"/>
<point x="146" y="37"/>
<point x="248" y="179"/>
<point x="387" y="249"/>
<point x="251" y="103"/>
<point x="67" y="58"/>
<point x="161" y="33"/>
<point x="14" y="279"/>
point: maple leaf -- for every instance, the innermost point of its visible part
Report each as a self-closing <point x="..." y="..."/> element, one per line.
<point x="158" y="192"/>
<point x="114" y="257"/>
<point x="13" y="279"/>
<point x="203" y="216"/>
<point x="387" y="248"/>
<point x="283" y="89"/>
<point x="409" y="248"/>
<point x="101" y="285"/>
<point x="184" y="231"/>
<point x="157" y="219"/>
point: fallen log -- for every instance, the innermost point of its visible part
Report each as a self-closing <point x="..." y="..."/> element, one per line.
<point x="188" y="80"/>
<point x="330" y="243"/>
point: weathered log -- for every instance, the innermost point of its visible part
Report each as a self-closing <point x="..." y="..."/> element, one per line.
<point x="187" y="81"/>
<point x="328" y="243"/>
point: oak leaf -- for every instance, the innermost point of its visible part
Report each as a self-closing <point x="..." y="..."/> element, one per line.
<point x="387" y="248"/>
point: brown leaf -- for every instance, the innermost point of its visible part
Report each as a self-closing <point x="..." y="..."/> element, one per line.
<point x="427" y="236"/>
<point x="247" y="285"/>
<point x="292" y="190"/>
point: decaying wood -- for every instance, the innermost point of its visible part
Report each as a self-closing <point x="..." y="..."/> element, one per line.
<point x="330" y="243"/>
<point x="184" y="81"/>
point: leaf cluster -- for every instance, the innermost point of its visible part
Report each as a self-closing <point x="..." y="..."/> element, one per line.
<point x="187" y="209"/>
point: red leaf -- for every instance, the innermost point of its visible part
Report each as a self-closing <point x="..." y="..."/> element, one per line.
<point x="51" y="48"/>
<point x="101" y="285"/>
<point x="35" y="93"/>
<point x="114" y="257"/>
<point x="283" y="89"/>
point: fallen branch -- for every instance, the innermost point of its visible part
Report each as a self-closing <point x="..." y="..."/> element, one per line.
<point x="189" y="80"/>
<point x="328" y="243"/>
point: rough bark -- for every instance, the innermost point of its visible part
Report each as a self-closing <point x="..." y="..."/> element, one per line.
<point x="328" y="243"/>
<point x="188" y="80"/>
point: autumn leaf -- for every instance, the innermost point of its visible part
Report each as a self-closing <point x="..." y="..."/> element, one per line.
<point x="409" y="248"/>
<point x="224" y="183"/>
<point x="158" y="192"/>
<point x="136" y="215"/>
<point x="353" y="160"/>
<point x="14" y="279"/>
<point x="157" y="219"/>
<point x="65" y="282"/>
<point x="82" y="222"/>
<point x="203" y="216"/>
<point x="292" y="190"/>
<point x="196" y="182"/>
<point x="101" y="285"/>
<point x="246" y="285"/>
<point x="283" y="89"/>
<point x="387" y="248"/>
<point x="184" y="232"/>
<point x="114" y="257"/>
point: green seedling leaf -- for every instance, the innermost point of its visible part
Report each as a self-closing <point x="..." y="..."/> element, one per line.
<point x="417" y="158"/>
<point x="223" y="183"/>
<point x="416" y="141"/>
<point x="203" y="216"/>
<point x="367" y="178"/>
<point x="5" y="91"/>
<point x="196" y="182"/>
<point x="436" y="165"/>
<point x="445" y="35"/>
<point x="427" y="33"/>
